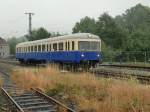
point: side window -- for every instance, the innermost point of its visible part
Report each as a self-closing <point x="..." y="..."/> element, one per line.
<point x="55" y="46"/>
<point x="28" y="48"/>
<point x="66" y="46"/>
<point x="47" y="47"/>
<point x="43" y="47"/>
<point x="31" y="48"/>
<point x="72" y="45"/>
<point x="35" y="48"/>
<point x="60" y="46"/>
<point x="39" y="47"/>
<point x="19" y="49"/>
<point x="50" y="47"/>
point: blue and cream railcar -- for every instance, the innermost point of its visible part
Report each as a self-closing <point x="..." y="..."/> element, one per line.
<point x="80" y="48"/>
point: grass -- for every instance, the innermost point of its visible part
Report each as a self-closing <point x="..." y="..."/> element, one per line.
<point x="1" y="97"/>
<point x="87" y="92"/>
<point x="1" y="81"/>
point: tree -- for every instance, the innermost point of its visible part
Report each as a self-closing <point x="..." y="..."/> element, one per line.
<point x="86" y="25"/>
<point x="135" y="22"/>
<point x="109" y="31"/>
<point x="138" y="41"/>
<point x="55" y="34"/>
<point x="40" y="33"/>
<point x="105" y="27"/>
<point x="13" y="42"/>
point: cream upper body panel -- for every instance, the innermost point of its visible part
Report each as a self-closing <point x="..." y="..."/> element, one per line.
<point x="67" y="38"/>
<point x="62" y="38"/>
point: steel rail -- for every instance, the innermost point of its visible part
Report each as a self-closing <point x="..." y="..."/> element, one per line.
<point x="21" y="108"/>
<point x="119" y="75"/>
<point x="53" y="100"/>
<point x="12" y="100"/>
<point x="127" y="66"/>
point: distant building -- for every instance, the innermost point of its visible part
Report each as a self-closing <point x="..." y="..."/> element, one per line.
<point x="4" y="48"/>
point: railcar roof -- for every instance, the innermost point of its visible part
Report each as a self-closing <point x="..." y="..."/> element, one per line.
<point x="71" y="36"/>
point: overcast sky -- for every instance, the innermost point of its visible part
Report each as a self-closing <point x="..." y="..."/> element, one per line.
<point x="55" y="15"/>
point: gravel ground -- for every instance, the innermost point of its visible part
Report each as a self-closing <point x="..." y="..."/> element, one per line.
<point x="7" y="68"/>
<point x="123" y="71"/>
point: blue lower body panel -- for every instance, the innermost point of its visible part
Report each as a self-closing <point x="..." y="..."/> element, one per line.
<point x="60" y="56"/>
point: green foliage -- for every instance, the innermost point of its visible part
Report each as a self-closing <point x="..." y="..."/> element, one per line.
<point x="138" y="41"/>
<point x="37" y="34"/>
<point x="55" y="34"/>
<point x="86" y="25"/>
<point x="13" y="42"/>
<point x="109" y="32"/>
<point x="127" y="32"/>
<point x="58" y="90"/>
<point x="136" y="22"/>
<point x="105" y="27"/>
<point x="40" y="33"/>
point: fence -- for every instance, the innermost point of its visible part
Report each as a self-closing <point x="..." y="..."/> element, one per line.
<point x="126" y="56"/>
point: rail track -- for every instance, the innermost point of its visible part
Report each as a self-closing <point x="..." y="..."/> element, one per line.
<point x="145" y="68"/>
<point x="31" y="101"/>
<point x="17" y="63"/>
<point x="34" y="100"/>
<point x="141" y="78"/>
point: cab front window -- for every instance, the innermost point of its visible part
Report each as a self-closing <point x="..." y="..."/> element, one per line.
<point x="89" y="46"/>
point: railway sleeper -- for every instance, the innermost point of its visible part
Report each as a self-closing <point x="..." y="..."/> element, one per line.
<point x="29" y="100"/>
<point x="49" y="108"/>
<point x="25" y="97"/>
<point x="33" y="104"/>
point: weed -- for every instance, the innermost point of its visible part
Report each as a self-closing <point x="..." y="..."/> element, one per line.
<point x="87" y="92"/>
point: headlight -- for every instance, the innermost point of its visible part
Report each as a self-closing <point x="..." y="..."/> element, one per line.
<point x="82" y="55"/>
<point x="98" y="55"/>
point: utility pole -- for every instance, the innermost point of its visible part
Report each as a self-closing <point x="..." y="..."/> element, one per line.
<point x="30" y="22"/>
